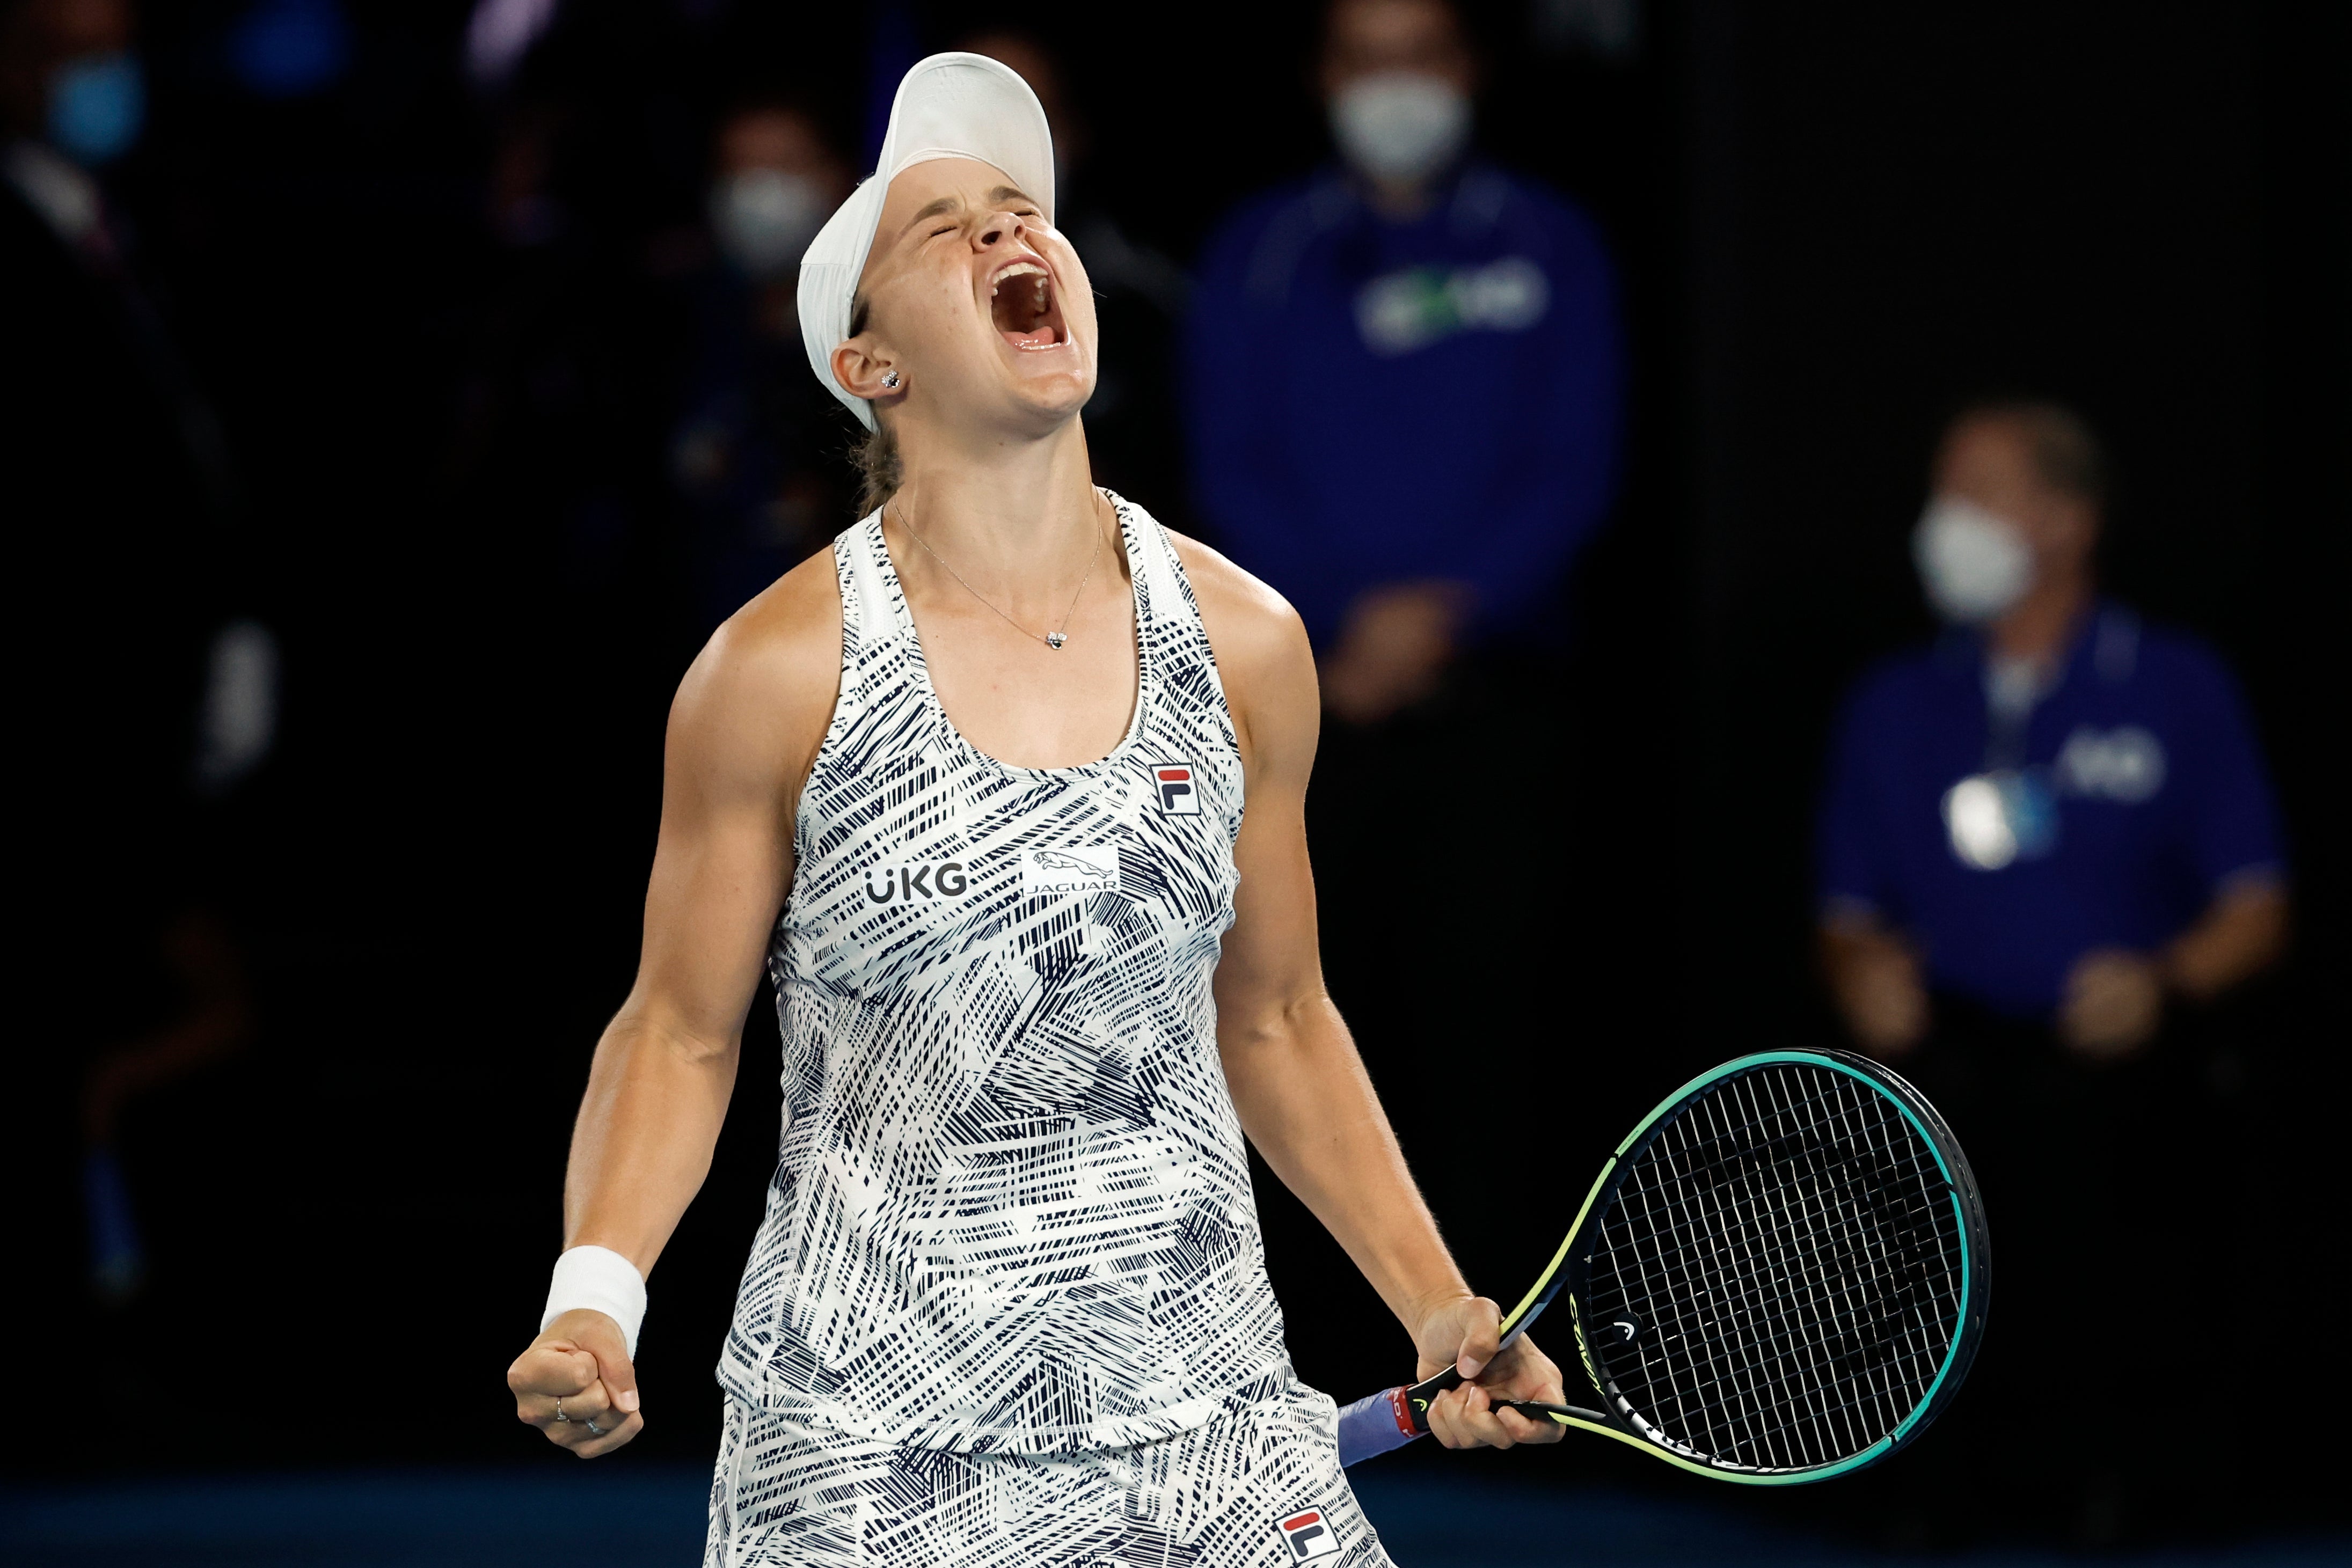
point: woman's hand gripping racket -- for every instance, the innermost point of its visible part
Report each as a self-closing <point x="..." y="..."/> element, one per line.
<point x="1778" y="1276"/>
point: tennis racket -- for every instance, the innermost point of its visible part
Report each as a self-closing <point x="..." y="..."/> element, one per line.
<point x="1778" y="1276"/>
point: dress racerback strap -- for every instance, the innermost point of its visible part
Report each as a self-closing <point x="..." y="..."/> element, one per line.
<point x="867" y="612"/>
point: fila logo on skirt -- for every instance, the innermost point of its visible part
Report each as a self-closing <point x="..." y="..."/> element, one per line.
<point x="1308" y="1535"/>
<point x="1178" y="793"/>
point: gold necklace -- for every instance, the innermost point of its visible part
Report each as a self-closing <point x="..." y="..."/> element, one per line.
<point x="1052" y="640"/>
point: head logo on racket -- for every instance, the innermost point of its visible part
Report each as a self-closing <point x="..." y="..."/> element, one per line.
<point x="1308" y="1534"/>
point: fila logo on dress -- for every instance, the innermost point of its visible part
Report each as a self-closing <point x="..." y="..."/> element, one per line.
<point x="1308" y="1535"/>
<point x="1179" y="797"/>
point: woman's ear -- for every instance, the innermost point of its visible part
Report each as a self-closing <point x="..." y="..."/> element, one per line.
<point x="858" y="369"/>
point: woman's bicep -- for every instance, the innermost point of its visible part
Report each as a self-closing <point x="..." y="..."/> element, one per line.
<point x="719" y="879"/>
<point x="1272" y="965"/>
<point x="743" y="733"/>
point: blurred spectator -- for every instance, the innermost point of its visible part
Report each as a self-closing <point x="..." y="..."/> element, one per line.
<point x="1403" y="398"/>
<point x="1404" y="374"/>
<point x="1133" y="430"/>
<point x="2056" y="813"/>
<point x="748" y="452"/>
<point x="2041" y="834"/>
<point x="149" y="697"/>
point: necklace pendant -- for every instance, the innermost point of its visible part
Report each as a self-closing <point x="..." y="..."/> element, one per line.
<point x="1055" y="639"/>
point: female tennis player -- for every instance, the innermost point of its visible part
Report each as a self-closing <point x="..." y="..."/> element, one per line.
<point x="1006" y="791"/>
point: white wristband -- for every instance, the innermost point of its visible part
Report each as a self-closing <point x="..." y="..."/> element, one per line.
<point x="602" y="1279"/>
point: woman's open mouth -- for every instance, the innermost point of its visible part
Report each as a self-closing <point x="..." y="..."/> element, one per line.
<point x="1021" y="303"/>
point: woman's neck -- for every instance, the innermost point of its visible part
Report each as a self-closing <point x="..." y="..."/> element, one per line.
<point x="1010" y="513"/>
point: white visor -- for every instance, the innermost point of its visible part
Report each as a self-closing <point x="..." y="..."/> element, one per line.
<point x="948" y="106"/>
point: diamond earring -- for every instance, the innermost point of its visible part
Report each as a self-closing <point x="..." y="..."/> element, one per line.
<point x="890" y="379"/>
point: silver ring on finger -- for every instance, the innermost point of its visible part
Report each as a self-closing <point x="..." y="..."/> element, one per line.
<point x="594" y="1430"/>
<point x="560" y="1414"/>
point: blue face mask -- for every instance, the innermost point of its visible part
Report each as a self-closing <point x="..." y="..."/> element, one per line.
<point x="97" y="104"/>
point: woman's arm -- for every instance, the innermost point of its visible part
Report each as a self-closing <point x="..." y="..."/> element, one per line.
<point x="1302" y="1092"/>
<point x="743" y="732"/>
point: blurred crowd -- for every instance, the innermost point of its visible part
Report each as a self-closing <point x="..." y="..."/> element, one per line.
<point x="1397" y="387"/>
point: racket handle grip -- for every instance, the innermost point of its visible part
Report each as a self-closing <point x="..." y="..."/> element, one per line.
<point x="1413" y="1403"/>
<point x="1376" y="1424"/>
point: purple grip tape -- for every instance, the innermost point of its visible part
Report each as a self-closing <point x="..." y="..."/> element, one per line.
<point x="1373" y="1425"/>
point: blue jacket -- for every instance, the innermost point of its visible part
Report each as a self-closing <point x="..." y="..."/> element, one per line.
<point x="2155" y="799"/>
<point x="1373" y="402"/>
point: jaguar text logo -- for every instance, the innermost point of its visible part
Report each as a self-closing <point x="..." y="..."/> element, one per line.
<point x="1091" y="868"/>
<point x="916" y="880"/>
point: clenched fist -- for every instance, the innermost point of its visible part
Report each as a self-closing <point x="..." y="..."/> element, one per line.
<point x="575" y="1384"/>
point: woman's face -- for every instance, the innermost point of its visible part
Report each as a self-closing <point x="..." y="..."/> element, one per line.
<point x="978" y="303"/>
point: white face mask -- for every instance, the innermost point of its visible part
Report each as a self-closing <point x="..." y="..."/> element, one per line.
<point x="1400" y="127"/>
<point x="765" y="218"/>
<point x="1976" y="564"/>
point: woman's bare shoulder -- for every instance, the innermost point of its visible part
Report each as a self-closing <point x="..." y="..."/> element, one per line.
<point x="1249" y="624"/>
<point x="1264" y="659"/>
<point x="762" y="691"/>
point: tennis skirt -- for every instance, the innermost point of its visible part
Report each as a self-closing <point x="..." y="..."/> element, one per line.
<point x="1259" y="1484"/>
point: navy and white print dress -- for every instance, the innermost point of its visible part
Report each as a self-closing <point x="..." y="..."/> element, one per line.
<point x="1012" y="1240"/>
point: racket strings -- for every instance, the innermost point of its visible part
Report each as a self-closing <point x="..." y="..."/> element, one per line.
<point x="1826" y="1419"/>
<point x="1766" y="1407"/>
<point x="1694" y="1153"/>
<point x="1788" y="1246"/>
<point x="1841" y="1385"/>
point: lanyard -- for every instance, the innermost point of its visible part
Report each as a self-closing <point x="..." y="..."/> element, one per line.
<point x="2006" y="811"/>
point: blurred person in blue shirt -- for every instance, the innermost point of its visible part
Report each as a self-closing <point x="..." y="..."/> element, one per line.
<point x="1403" y="408"/>
<point x="2039" y="835"/>
<point x="1404" y="389"/>
<point x="2056" y="812"/>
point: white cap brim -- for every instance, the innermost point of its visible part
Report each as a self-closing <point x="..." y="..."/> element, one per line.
<point x="948" y="106"/>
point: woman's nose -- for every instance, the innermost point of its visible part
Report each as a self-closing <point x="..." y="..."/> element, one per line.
<point x="998" y="228"/>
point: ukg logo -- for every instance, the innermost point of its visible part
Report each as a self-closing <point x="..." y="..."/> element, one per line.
<point x="915" y="881"/>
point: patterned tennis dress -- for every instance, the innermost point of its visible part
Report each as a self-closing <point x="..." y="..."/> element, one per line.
<point x="1008" y="1302"/>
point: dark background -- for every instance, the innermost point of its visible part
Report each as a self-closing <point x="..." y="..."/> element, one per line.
<point x="1832" y="221"/>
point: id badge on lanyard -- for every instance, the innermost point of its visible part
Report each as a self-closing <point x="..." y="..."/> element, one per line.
<point x="2008" y="811"/>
